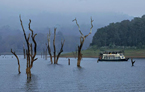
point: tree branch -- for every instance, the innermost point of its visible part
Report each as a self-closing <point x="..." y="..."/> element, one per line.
<point x="82" y="39"/>
<point x="17" y="60"/>
<point x="78" y="26"/>
<point x="90" y="28"/>
<point x="35" y="44"/>
<point x="61" y="50"/>
<point x="29" y="27"/>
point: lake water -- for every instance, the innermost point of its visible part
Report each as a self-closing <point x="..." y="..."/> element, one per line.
<point x="91" y="77"/>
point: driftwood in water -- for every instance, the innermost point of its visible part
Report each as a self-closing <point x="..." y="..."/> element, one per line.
<point x="82" y="39"/>
<point x="17" y="60"/>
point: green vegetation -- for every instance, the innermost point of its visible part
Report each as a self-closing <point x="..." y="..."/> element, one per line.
<point x="131" y="53"/>
<point x="126" y="33"/>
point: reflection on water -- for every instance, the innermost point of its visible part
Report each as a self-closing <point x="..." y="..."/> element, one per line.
<point x="90" y="77"/>
<point x="31" y="84"/>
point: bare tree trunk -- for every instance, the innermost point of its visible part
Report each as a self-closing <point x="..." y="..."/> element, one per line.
<point x="68" y="61"/>
<point x="30" y="54"/>
<point x="49" y="50"/>
<point x="28" y="50"/>
<point x="132" y="62"/>
<point x="79" y="52"/>
<point x="24" y="51"/>
<point x="54" y="46"/>
<point x="28" y="71"/>
<point x="79" y="59"/>
<point x="82" y="39"/>
<point x="17" y="60"/>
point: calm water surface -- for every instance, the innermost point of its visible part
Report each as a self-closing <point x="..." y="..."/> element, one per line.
<point x="91" y="77"/>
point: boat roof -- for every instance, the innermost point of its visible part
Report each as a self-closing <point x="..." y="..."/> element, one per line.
<point x="111" y="52"/>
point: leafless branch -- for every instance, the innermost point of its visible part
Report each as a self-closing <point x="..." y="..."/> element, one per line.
<point x="82" y="39"/>
<point x="90" y="28"/>
<point x="17" y="60"/>
<point x="78" y="26"/>
<point x="61" y="50"/>
<point x="35" y="44"/>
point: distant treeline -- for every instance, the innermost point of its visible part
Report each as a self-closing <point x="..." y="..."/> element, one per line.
<point x="124" y="33"/>
<point x="16" y="42"/>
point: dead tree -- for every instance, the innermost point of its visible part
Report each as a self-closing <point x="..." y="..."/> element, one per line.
<point x="61" y="50"/>
<point x="30" y="55"/>
<point x="24" y="52"/>
<point x="82" y="39"/>
<point x="68" y="61"/>
<point x="132" y="62"/>
<point x="17" y="60"/>
<point x="49" y="50"/>
<point x="54" y="53"/>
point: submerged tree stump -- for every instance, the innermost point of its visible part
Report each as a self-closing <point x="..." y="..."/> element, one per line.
<point x="132" y="62"/>
<point x="68" y="61"/>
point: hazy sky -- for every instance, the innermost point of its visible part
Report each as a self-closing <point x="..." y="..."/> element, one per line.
<point x="131" y="7"/>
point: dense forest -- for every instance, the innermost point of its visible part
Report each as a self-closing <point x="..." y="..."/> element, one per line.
<point x="127" y="33"/>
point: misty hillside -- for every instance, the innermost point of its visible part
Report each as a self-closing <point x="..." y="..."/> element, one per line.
<point x="48" y="19"/>
<point x="11" y="34"/>
<point x="124" y="33"/>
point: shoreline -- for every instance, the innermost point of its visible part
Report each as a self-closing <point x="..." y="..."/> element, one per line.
<point x="70" y="56"/>
<point x="141" y="57"/>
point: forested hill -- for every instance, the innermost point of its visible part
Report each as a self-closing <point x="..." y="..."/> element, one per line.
<point x="124" y="33"/>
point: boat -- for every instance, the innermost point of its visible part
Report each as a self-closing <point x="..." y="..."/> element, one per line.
<point x="112" y="56"/>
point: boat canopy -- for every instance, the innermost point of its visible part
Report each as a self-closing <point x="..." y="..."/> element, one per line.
<point x="111" y="52"/>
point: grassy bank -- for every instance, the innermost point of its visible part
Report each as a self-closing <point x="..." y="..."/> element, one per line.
<point x="131" y="53"/>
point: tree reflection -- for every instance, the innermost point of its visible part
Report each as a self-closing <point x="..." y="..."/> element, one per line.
<point x="31" y="85"/>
